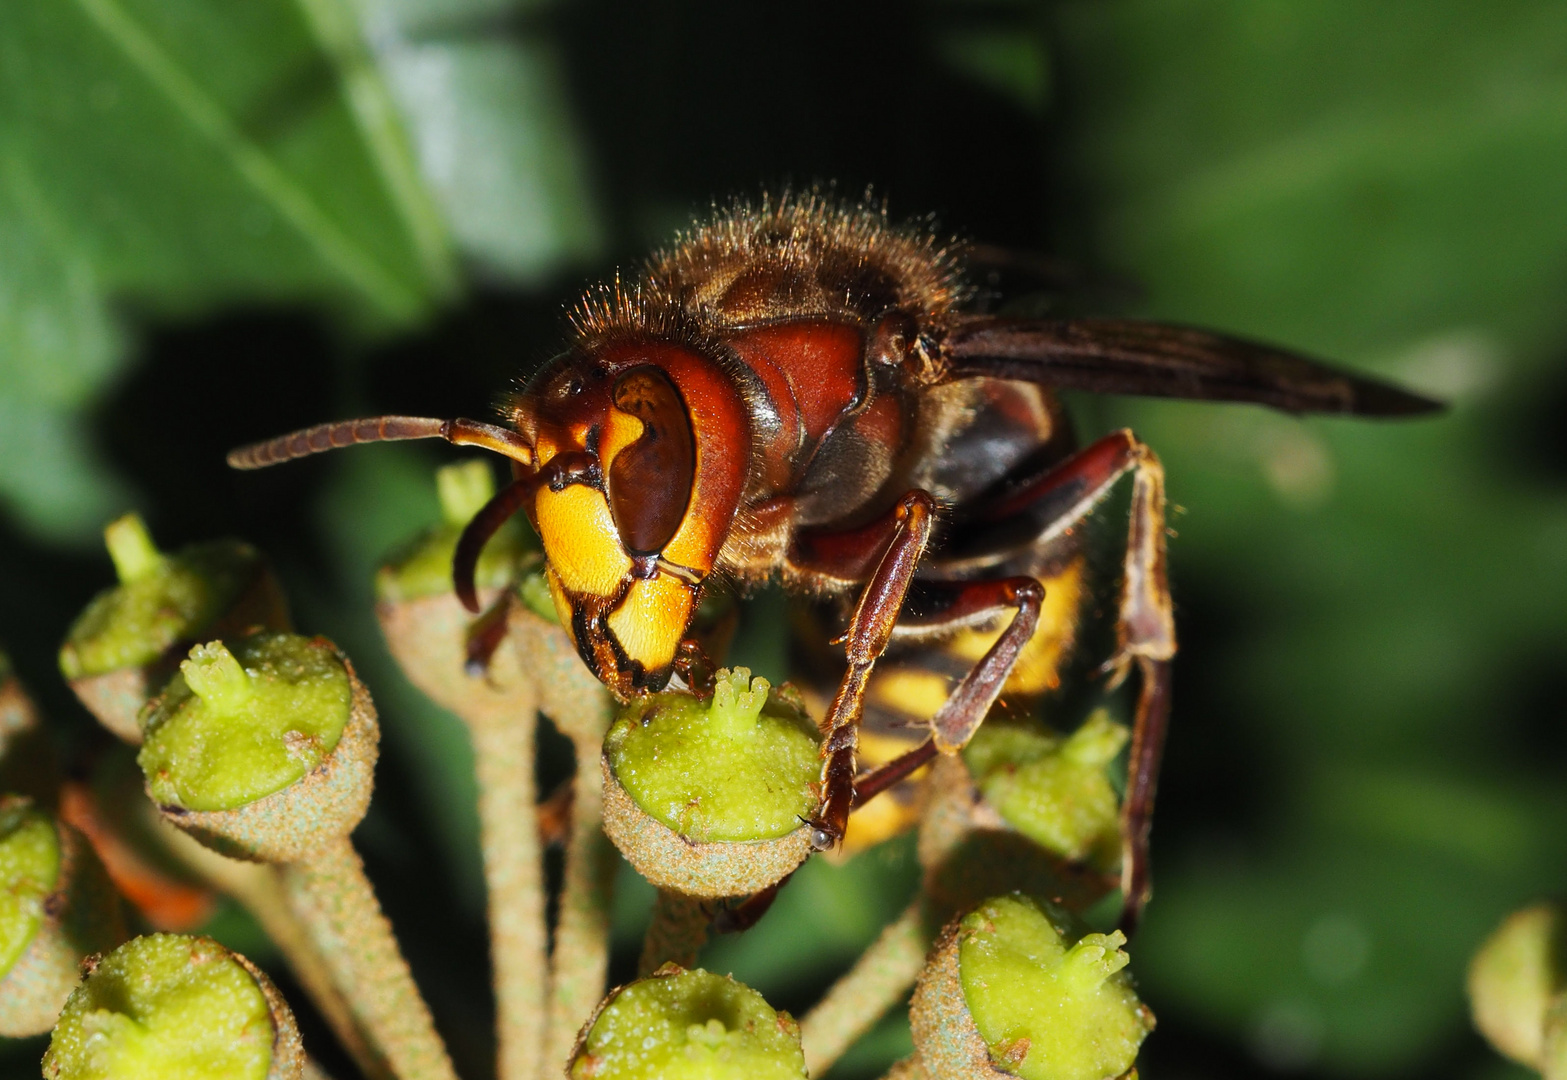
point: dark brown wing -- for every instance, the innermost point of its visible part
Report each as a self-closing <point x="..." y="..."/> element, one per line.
<point x="1122" y="356"/>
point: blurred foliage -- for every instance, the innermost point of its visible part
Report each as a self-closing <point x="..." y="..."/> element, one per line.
<point x="220" y="221"/>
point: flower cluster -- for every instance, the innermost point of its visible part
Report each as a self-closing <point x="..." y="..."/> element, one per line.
<point x="257" y="747"/>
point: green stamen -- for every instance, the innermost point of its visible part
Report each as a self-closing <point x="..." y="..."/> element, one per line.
<point x="130" y="546"/>
<point x="216" y="678"/>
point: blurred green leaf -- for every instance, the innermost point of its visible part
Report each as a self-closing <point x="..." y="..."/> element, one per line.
<point x="203" y="153"/>
<point x="483" y="94"/>
<point x="1379" y="183"/>
<point x="181" y="156"/>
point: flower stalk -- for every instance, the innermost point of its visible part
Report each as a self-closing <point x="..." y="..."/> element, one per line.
<point x="676" y="934"/>
<point x="878" y="980"/>
<point x="428" y="632"/>
<point x="581" y="709"/>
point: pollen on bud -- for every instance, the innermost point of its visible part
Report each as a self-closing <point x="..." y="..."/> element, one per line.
<point x="168" y="1005"/>
<point x="688" y="1025"/>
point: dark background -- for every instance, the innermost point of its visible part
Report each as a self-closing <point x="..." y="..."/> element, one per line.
<point x="267" y="224"/>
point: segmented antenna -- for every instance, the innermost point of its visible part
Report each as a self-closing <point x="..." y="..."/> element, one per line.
<point x="324" y="437"/>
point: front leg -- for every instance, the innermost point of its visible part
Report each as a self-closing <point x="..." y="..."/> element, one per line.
<point x="905" y="534"/>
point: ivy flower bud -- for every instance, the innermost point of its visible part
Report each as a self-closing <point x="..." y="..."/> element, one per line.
<point x="709" y="798"/>
<point x="688" y="1025"/>
<point x="56" y="906"/>
<point x="263" y="748"/>
<point x="1054" y="791"/>
<point x="1513" y="980"/>
<point x="119" y="649"/>
<point x="171" y="1007"/>
<point x="423" y="567"/>
<point x="1015" y="989"/>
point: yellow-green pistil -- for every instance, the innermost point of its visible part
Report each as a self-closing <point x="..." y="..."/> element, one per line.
<point x="1049" y="1008"/>
<point x="164" y="1007"/>
<point x="161" y="599"/>
<point x="690" y="1026"/>
<point x="738" y="767"/>
<point x="238" y="724"/>
<point x="424" y="567"/>
<point x="29" y="871"/>
<point x="1054" y="791"/>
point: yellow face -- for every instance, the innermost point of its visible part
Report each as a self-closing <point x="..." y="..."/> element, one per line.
<point x="627" y="627"/>
<point x="614" y="446"/>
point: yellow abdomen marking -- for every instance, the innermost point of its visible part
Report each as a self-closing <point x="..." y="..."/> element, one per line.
<point x="651" y="620"/>
<point x="580" y="540"/>
<point x="915" y="693"/>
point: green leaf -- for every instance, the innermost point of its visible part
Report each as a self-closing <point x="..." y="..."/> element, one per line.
<point x="485" y="102"/>
<point x="206" y="152"/>
<point x="1378" y="183"/>
<point x="182" y="155"/>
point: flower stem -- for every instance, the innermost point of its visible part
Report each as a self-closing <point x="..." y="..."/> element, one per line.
<point x="877" y="981"/>
<point x="677" y="933"/>
<point x="332" y="896"/>
<point x="258" y="888"/>
<point x="580" y="963"/>
<point x="499" y="707"/>
<point x="513" y="872"/>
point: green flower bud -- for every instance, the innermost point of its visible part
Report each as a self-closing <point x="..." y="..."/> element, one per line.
<point x="263" y="747"/>
<point x="1015" y="989"/>
<point x="688" y="1025"/>
<point x="30" y="869"/>
<point x="117" y="649"/>
<point x="1519" y="969"/>
<point x="56" y="906"/>
<point x="970" y="854"/>
<point x="423" y="567"/>
<point x="1054" y="791"/>
<point x="172" y="1007"/>
<point x="708" y="798"/>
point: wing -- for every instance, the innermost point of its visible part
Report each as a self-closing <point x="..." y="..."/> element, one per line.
<point x="1123" y="356"/>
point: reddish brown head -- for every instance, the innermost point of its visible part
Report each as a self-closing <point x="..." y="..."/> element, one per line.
<point x="642" y="448"/>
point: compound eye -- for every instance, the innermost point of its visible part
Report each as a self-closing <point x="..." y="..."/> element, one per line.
<point x="649" y="482"/>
